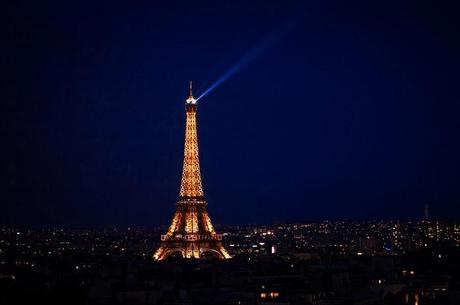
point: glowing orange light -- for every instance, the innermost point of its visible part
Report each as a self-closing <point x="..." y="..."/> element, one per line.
<point x="191" y="232"/>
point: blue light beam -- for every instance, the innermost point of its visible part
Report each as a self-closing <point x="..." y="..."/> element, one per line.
<point x="249" y="56"/>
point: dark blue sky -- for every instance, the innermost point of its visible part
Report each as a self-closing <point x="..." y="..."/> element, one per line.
<point x="352" y="113"/>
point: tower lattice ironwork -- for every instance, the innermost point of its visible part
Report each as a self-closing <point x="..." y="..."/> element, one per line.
<point x="191" y="232"/>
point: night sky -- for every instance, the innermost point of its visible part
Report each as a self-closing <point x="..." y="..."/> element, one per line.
<point x="351" y="113"/>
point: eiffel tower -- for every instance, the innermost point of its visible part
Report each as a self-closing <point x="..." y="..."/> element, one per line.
<point x="191" y="232"/>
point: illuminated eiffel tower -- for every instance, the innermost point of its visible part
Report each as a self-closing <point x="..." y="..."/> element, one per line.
<point x="191" y="232"/>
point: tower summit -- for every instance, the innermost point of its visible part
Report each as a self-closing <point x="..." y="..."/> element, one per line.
<point x="191" y="232"/>
<point x="190" y="99"/>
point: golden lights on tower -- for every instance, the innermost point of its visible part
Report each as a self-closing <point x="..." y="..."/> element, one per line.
<point x="191" y="232"/>
<point x="191" y="177"/>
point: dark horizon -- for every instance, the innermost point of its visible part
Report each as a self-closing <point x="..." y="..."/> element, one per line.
<point x="351" y="113"/>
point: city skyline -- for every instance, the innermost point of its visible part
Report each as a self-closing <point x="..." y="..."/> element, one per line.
<point x="336" y="262"/>
<point x="350" y="114"/>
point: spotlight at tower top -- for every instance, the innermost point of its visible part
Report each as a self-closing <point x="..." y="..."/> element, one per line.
<point x="190" y="99"/>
